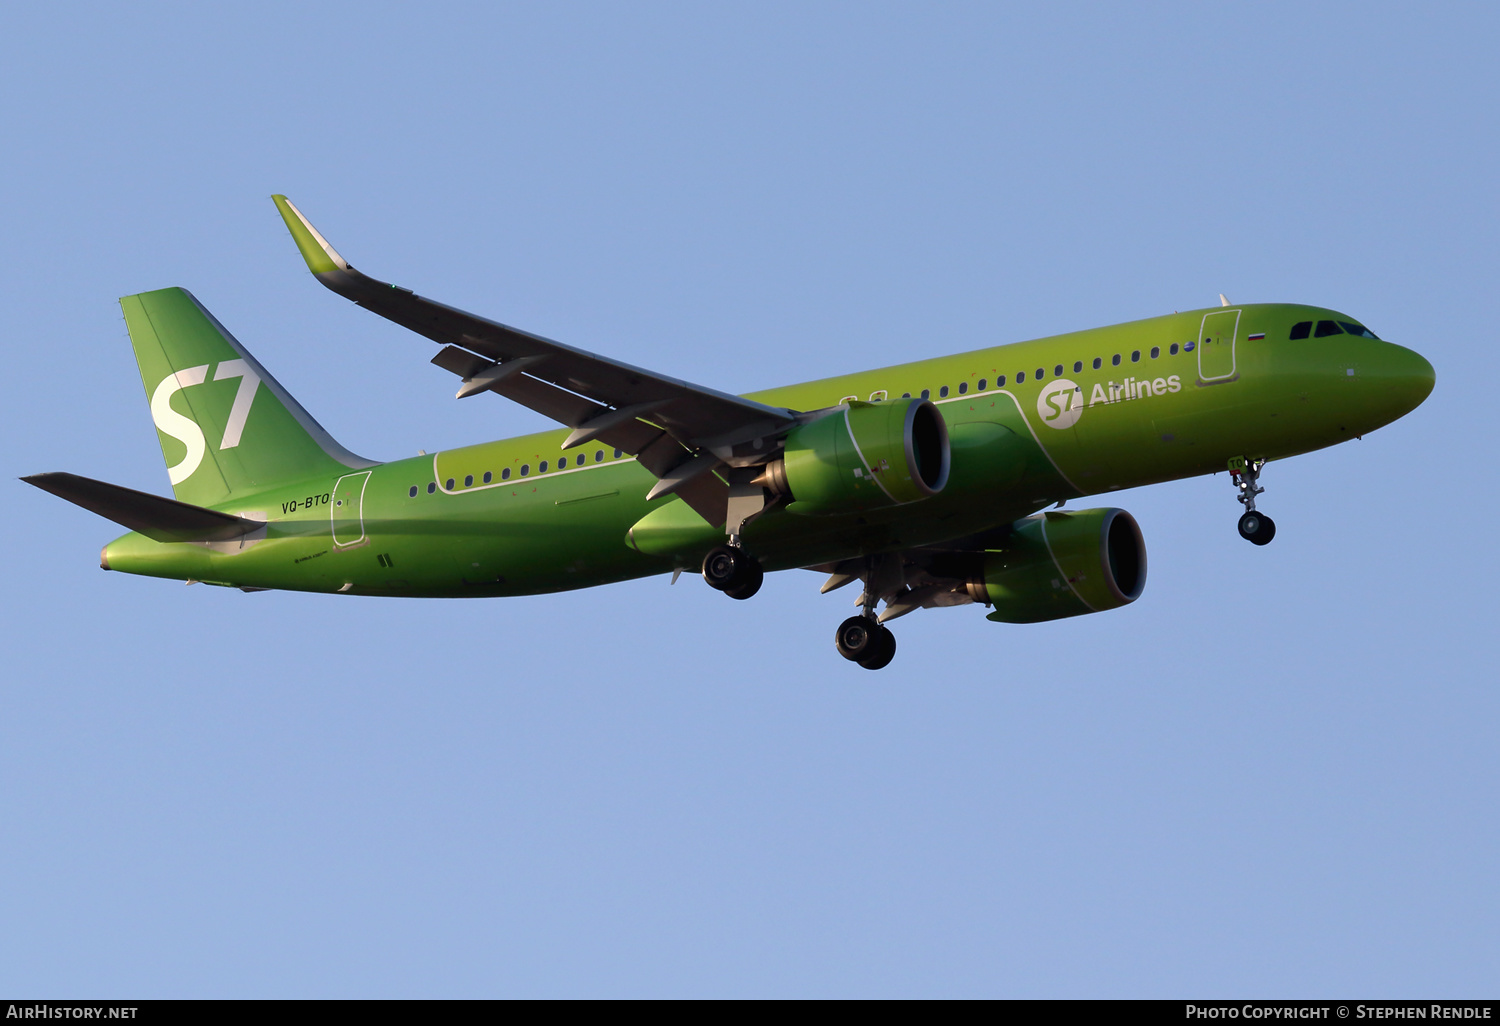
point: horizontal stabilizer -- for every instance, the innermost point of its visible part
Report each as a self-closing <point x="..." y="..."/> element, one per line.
<point x="160" y="519"/>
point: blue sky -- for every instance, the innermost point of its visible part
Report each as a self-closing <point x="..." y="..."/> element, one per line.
<point x="1275" y="774"/>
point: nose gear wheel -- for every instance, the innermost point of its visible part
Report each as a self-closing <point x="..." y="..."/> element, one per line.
<point x="1257" y="528"/>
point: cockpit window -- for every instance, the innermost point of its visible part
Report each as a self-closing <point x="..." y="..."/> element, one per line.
<point x="1301" y="329"/>
<point x="1326" y="328"/>
<point x="1358" y="330"/>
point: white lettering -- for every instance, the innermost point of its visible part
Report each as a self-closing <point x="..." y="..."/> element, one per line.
<point x="1174" y="383"/>
<point x="1056" y="405"/>
<point x="172" y="423"/>
<point x="240" y="411"/>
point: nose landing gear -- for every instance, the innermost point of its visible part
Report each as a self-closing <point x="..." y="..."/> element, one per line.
<point x="1254" y="526"/>
<point x="733" y="571"/>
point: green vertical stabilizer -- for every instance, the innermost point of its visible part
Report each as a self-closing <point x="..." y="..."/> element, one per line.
<point x="225" y="425"/>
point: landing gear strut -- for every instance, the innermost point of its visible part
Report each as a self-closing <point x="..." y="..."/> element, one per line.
<point x="733" y="571"/>
<point x="1254" y="526"/>
<point x="860" y="639"/>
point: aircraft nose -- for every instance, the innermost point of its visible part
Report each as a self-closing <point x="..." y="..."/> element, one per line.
<point x="1409" y="379"/>
<point x="1392" y="381"/>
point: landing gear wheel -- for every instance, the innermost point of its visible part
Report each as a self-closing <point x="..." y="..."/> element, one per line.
<point x="855" y="638"/>
<point x="733" y="571"/>
<point x="750" y="582"/>
<point x="1257" y="527"/>
<point x="884" y="650"/>
<point x="861" y="640"/>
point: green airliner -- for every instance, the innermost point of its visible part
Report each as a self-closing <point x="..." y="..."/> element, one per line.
<point x="935" y="483"/>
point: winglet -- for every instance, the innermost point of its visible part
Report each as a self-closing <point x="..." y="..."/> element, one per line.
<point x="320" y="256"/>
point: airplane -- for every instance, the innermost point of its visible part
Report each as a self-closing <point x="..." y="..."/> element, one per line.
<point x="931" y="484"/>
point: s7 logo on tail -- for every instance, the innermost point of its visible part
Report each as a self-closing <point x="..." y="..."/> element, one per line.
<point x="187" y="431"/>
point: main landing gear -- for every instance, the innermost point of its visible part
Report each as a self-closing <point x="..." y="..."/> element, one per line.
<point x="862" y="640"/>
<point x="1254" y="526"/>
<point x="733" y="571"/>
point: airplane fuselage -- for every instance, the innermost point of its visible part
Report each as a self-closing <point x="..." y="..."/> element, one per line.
<point x="1030" y="424"/>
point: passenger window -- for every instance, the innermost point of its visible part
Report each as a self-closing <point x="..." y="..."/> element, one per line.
<point x="1098" y="363"/>
<point x="468" y="480"/>
<point x="1155" y="352"/>
<point x="505" y="474"/>
<point x="525" y="469"/>
<point x="1000" y="381"/>
<point x="431" y="487"/>
<point x="1077" y="366"/>
<point x="906" y="395"/>
<point x="488" y="477"/>
<point x="982" y="383"/>
<point x="963" y="386"/>
<point x="618" y="452"/>
<point x="926" y="393"/>
<point x="943" y="392"/>
<point x="1041" y="373"/>
<point x="599" y="456"/>
<point x="1358" y="330"/>
<point x="413" y="492"/>
<point x="542" y="467"/>
<point x="449" y="485"/>
<point x="1057" y="371"/>
<point x="1301" y="329"/>
<point x="1135" y="357"/>
<point x="1115" y="360"/>
<point x="1020" y="376"/>
<point x="1326" y="328"/>
<point x="1173" y="350"/>
<point x="562" y="461"/>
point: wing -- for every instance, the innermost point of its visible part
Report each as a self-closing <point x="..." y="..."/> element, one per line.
<point x="686" y="435"/>
<point x="924" y="578"/>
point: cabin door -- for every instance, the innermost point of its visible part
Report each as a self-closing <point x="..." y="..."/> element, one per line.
<point x="347" y="509"/>
<point x="1216" y="345"/>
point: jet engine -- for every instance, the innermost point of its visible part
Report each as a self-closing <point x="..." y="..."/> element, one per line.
<point x="1059" y="564"/>
<point x="863" y="456"/>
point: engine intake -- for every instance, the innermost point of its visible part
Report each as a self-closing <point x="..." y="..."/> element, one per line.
<point x="1060" y="564"/>
<point x="863" y="456"/>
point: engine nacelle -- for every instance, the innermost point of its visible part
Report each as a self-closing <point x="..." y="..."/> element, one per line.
<point x="864" y="456"/>
<point x="1061" y="564"/>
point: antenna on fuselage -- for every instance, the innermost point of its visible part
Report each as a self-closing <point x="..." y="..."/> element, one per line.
<point x="1222" y="300"/>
